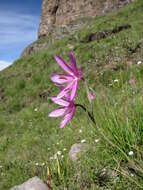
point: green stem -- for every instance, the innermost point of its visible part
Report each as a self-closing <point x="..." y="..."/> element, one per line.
<point x="89" y="114"/>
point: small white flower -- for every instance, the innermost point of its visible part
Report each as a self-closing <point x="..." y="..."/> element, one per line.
<point x="62" y="156"/>
<point x="139" y="62"/>
<point x="59" y="153"/>
<point x="131" y="153"/>
<point x="83" y="141"/>
<point x="37" y="164"/>
<point x="96" y="140"/>
<point x="51" y="158"/>
<point x="116" y="80"/>
<point x="64" y="149"/>
<point x="80" y="131"/>
<point x="36" y="109"/>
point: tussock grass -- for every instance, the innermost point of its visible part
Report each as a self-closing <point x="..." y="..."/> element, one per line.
<point x="29" y="138"/>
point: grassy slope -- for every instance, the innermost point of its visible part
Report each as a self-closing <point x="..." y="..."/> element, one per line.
<point x="28" y="137"/>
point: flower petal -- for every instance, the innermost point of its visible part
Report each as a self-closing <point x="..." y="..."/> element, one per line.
<point x="60" y="102"/>
<point x="67" y="95"/>
<point x="64" y="65"/>
<point x="67" y="117"/>
<point x="57" y="113"/>
<point x="74" y="90"/>
<point x="65" y="90"/>
<point x="60" y="79"/>
<point x="73" y="62"/>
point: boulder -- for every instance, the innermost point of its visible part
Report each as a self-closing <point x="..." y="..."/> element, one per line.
<point x="32" y="184"/>
<point x="76" y="150"/>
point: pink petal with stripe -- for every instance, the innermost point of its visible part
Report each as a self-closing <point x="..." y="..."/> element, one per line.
<point x="64" y="65"/>
<point x="60" y="102"/>
<point x="67" y="95"/>
<point x="60" y="79"/>
<point x="74" y="90"/>
<point x="67" y="118"/>
<point x="65" y="90"/>
<point x="73" y="62"/>
<point x="58" y="112"/>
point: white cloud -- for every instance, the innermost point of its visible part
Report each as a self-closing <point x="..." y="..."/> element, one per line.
<point x="4" y="64"/>
<point x="17" y="27"/>
<point x="17" y="30"/>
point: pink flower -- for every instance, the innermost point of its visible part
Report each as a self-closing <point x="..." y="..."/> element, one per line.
<point x="66" y="111"/>
<point x="131" y="81"/>
<point x="92" y="96"/>
<point x="71" y="78"/>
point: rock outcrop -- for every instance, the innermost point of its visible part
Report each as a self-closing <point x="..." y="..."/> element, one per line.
<point x="61" y="17"/>
<point x="61" y="13"/>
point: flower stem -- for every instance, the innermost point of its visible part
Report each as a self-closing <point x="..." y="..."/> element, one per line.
<point x="89" y="114"/>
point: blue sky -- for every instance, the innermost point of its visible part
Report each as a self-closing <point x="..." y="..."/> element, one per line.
<point x="19" y="21"/>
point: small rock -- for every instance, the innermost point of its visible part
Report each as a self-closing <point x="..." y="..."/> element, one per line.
<point x="131" y="169"/>
<point x="105" y="175"/>
<point x="32" y="184"/>
<point x="76" y="149"/>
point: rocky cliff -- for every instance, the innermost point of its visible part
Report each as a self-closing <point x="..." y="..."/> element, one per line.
<point x="61" y="13"/>
<point x="61" y="17"/>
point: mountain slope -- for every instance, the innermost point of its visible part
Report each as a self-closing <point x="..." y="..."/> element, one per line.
<point x="109" y="51"/>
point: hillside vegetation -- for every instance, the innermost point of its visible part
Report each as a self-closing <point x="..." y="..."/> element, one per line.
<point x="110" y="52"/>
